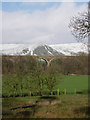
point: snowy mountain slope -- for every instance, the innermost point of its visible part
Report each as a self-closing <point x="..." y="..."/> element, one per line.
<point x="11" y="49"/>
<point x="20" y="49"/>
<point x="43" y="50"/>
<point x="70" y="49"/>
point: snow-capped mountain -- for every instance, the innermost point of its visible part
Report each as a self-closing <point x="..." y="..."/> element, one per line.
<point x="22" y="49"/>
<point x="71" y="48"/>
<point x="43" y="50"/>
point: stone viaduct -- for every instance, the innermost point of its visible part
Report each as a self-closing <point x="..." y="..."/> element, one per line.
<point x="49" y="59"/>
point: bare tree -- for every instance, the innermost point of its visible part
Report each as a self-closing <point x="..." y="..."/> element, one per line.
<point x="80" y="25"/>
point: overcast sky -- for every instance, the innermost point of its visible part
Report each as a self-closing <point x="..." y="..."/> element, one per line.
<point x="36" y="22"/>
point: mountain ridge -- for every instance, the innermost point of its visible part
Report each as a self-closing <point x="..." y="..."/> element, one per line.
<point x="43" y="49"/>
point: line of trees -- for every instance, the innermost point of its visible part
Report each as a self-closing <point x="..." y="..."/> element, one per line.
<point x="25" y="76"/>
<point x="28" y="65"/>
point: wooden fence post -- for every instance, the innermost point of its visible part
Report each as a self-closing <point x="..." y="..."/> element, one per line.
<point x="30" y="93"/>
<point x="58" y="91"/>
<point x="65" y="91"/>
<point x="52" y="93"/>
<point x="75" y="91"/>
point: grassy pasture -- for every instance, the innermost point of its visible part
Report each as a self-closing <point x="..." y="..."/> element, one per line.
<point x="67" y="106"/>
<point x="68" y="82"/>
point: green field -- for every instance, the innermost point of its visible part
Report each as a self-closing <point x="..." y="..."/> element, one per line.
<point x="68" y="82"/>
<point x="69" y="105"/>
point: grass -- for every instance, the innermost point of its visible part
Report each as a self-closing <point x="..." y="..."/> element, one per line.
<point x="70" y="83"/>
<point x="69" y="106"/>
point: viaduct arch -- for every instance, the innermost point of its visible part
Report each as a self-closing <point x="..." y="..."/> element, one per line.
<point x="48" y="61"/>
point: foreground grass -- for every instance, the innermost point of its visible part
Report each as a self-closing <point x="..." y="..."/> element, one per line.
<point x="66" y="106"/>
